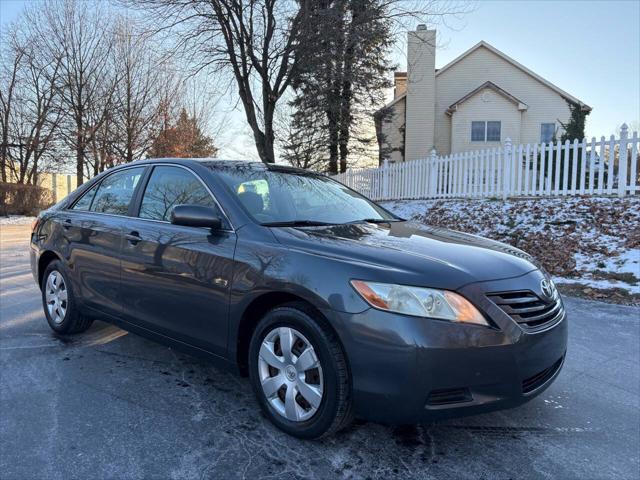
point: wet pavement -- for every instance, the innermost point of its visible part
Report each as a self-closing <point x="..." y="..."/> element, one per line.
<point x="110" y="404"/>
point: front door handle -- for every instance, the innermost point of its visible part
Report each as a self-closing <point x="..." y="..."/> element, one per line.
<point x="133" y="238"/>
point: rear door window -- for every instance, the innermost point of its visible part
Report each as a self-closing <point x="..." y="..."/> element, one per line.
<point x="116" y="191"/>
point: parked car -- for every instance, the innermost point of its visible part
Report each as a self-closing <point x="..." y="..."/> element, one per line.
<point x="333" y="306"/>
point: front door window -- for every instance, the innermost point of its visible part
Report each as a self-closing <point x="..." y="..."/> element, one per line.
<point x="171" y="186"/>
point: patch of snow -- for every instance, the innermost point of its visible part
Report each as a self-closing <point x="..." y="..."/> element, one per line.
<point x="627" y="261"/>
<point x="601" y="284"/>
<point x="16" y="220"/>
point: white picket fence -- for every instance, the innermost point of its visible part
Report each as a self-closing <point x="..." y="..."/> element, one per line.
<point x="605" y="167"/>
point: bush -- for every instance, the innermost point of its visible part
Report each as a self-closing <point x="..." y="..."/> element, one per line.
<point x="19" y="199"/>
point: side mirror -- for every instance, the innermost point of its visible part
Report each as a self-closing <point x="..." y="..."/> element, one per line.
<point x="196" y="216"/>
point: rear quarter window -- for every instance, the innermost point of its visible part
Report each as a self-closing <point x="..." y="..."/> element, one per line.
<point x="84" y="203"/>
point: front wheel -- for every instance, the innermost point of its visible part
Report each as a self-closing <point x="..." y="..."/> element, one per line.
<point x="58" y="301"/>
<point x="299" y="372"/>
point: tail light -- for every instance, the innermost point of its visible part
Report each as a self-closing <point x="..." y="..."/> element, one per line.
<point x="34" y="225"/>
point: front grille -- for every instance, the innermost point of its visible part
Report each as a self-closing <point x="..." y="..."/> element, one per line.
<point x="540" y="378"/>
<point x="528" y="309"/>
<point x="449" y="395"/>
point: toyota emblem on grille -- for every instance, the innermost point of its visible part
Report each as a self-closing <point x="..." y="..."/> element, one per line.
<point x="548" y="288"/>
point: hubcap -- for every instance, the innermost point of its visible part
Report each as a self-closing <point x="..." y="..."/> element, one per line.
<point x="290" y="374"/>
<point x="56" y="297"/>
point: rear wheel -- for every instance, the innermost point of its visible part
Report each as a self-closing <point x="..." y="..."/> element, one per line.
<point x="58" y="301"/>
<point x="299" y="373"/>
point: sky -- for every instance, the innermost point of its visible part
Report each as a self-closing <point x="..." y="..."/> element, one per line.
<point x="591" y="49"/>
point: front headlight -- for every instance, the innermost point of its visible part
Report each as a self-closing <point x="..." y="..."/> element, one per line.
<point x="419" y="302"/>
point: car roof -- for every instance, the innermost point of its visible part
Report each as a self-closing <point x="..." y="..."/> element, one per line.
<point x="216" y="163"/>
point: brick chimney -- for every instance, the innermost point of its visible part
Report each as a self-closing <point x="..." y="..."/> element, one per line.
<point x="400" y="84"/>
<point x="421" y="93"/>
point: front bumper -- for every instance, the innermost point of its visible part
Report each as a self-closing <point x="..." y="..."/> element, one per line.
<point x="408" y="369"/>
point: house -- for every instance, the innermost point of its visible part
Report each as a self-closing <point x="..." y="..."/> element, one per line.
<point x="476" y="101"/>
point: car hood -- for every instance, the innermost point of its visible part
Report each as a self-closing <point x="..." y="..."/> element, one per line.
<point x="412" y="252"/>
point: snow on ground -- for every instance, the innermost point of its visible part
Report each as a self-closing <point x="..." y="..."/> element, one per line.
<point x="16" y="220"/>
<point x="581" y="240"/>
<point x="590" y="282"/>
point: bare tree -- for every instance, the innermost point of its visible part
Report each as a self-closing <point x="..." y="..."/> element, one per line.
<point x="12" y="61"/>
<point x="101" y="147"/>
<point x="78" y="81"/>
<point x="28" y="101"/>
<point x="126" y="130"/>
<point x="79" y="36"/>
<point x="136" y="104"/>
<point x="253" y="40"/>
<point x="203" y="96"/>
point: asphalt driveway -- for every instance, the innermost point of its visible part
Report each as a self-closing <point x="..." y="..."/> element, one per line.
<point x="108" y="404"/>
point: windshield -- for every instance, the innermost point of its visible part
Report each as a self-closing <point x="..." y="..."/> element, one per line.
<point x="275" y="197"/>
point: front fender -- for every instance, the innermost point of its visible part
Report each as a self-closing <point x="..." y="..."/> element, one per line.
<point x="270" y="268"/>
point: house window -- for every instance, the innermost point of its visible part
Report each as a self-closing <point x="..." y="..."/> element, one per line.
<point x="493" y="131"/>
<point x="485" y="131"/>
<point x="547" y="132"/>
<point x="477" y="131"/>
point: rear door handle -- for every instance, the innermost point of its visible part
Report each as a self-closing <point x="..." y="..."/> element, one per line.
<point x="133" y="238"/>
<point x="67" y="224"/>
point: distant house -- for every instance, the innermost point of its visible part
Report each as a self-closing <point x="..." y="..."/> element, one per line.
<point x="474" y="102"/>
<point x="60" y="184"/>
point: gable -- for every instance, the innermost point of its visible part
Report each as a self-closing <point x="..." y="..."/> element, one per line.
<point x="484" y="89"/>
<point x="504" y="65"/>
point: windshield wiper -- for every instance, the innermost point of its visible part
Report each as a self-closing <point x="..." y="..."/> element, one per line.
<point x="297" y="223"/>
<point x="376" y="220"/>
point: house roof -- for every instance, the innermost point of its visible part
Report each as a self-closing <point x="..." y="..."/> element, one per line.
<point x="507" y="58"/>
<point x="394" y="101"/>
<point x="519" y="103"/>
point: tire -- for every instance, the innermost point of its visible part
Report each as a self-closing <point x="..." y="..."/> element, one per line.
<point x="63" y="317"/>
<point x="330" y="378"/>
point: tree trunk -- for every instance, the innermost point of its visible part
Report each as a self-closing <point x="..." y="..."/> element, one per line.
<point x="269" y="135"/>
<point x="129" y="153"/>
<point x="3" y="165"/>
<point x="333" y="144"/>
<point x="79" y="161"/>
<point x="345" y="123"/>
<point x="4" y="148"/>
<point x="346" y="96"/>
<point x="266" y="155"/>
<point x="80" y="147"/>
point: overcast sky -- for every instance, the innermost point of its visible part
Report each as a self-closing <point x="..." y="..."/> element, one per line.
<point x="590" y="49"/>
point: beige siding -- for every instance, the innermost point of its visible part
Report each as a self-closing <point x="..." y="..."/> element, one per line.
<point x="545" y="105"/>
<point x="393" y="132"/>
<point x="60" y="184"/>
<point x="421" y="92"/>
<point x="486" y="105"/>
